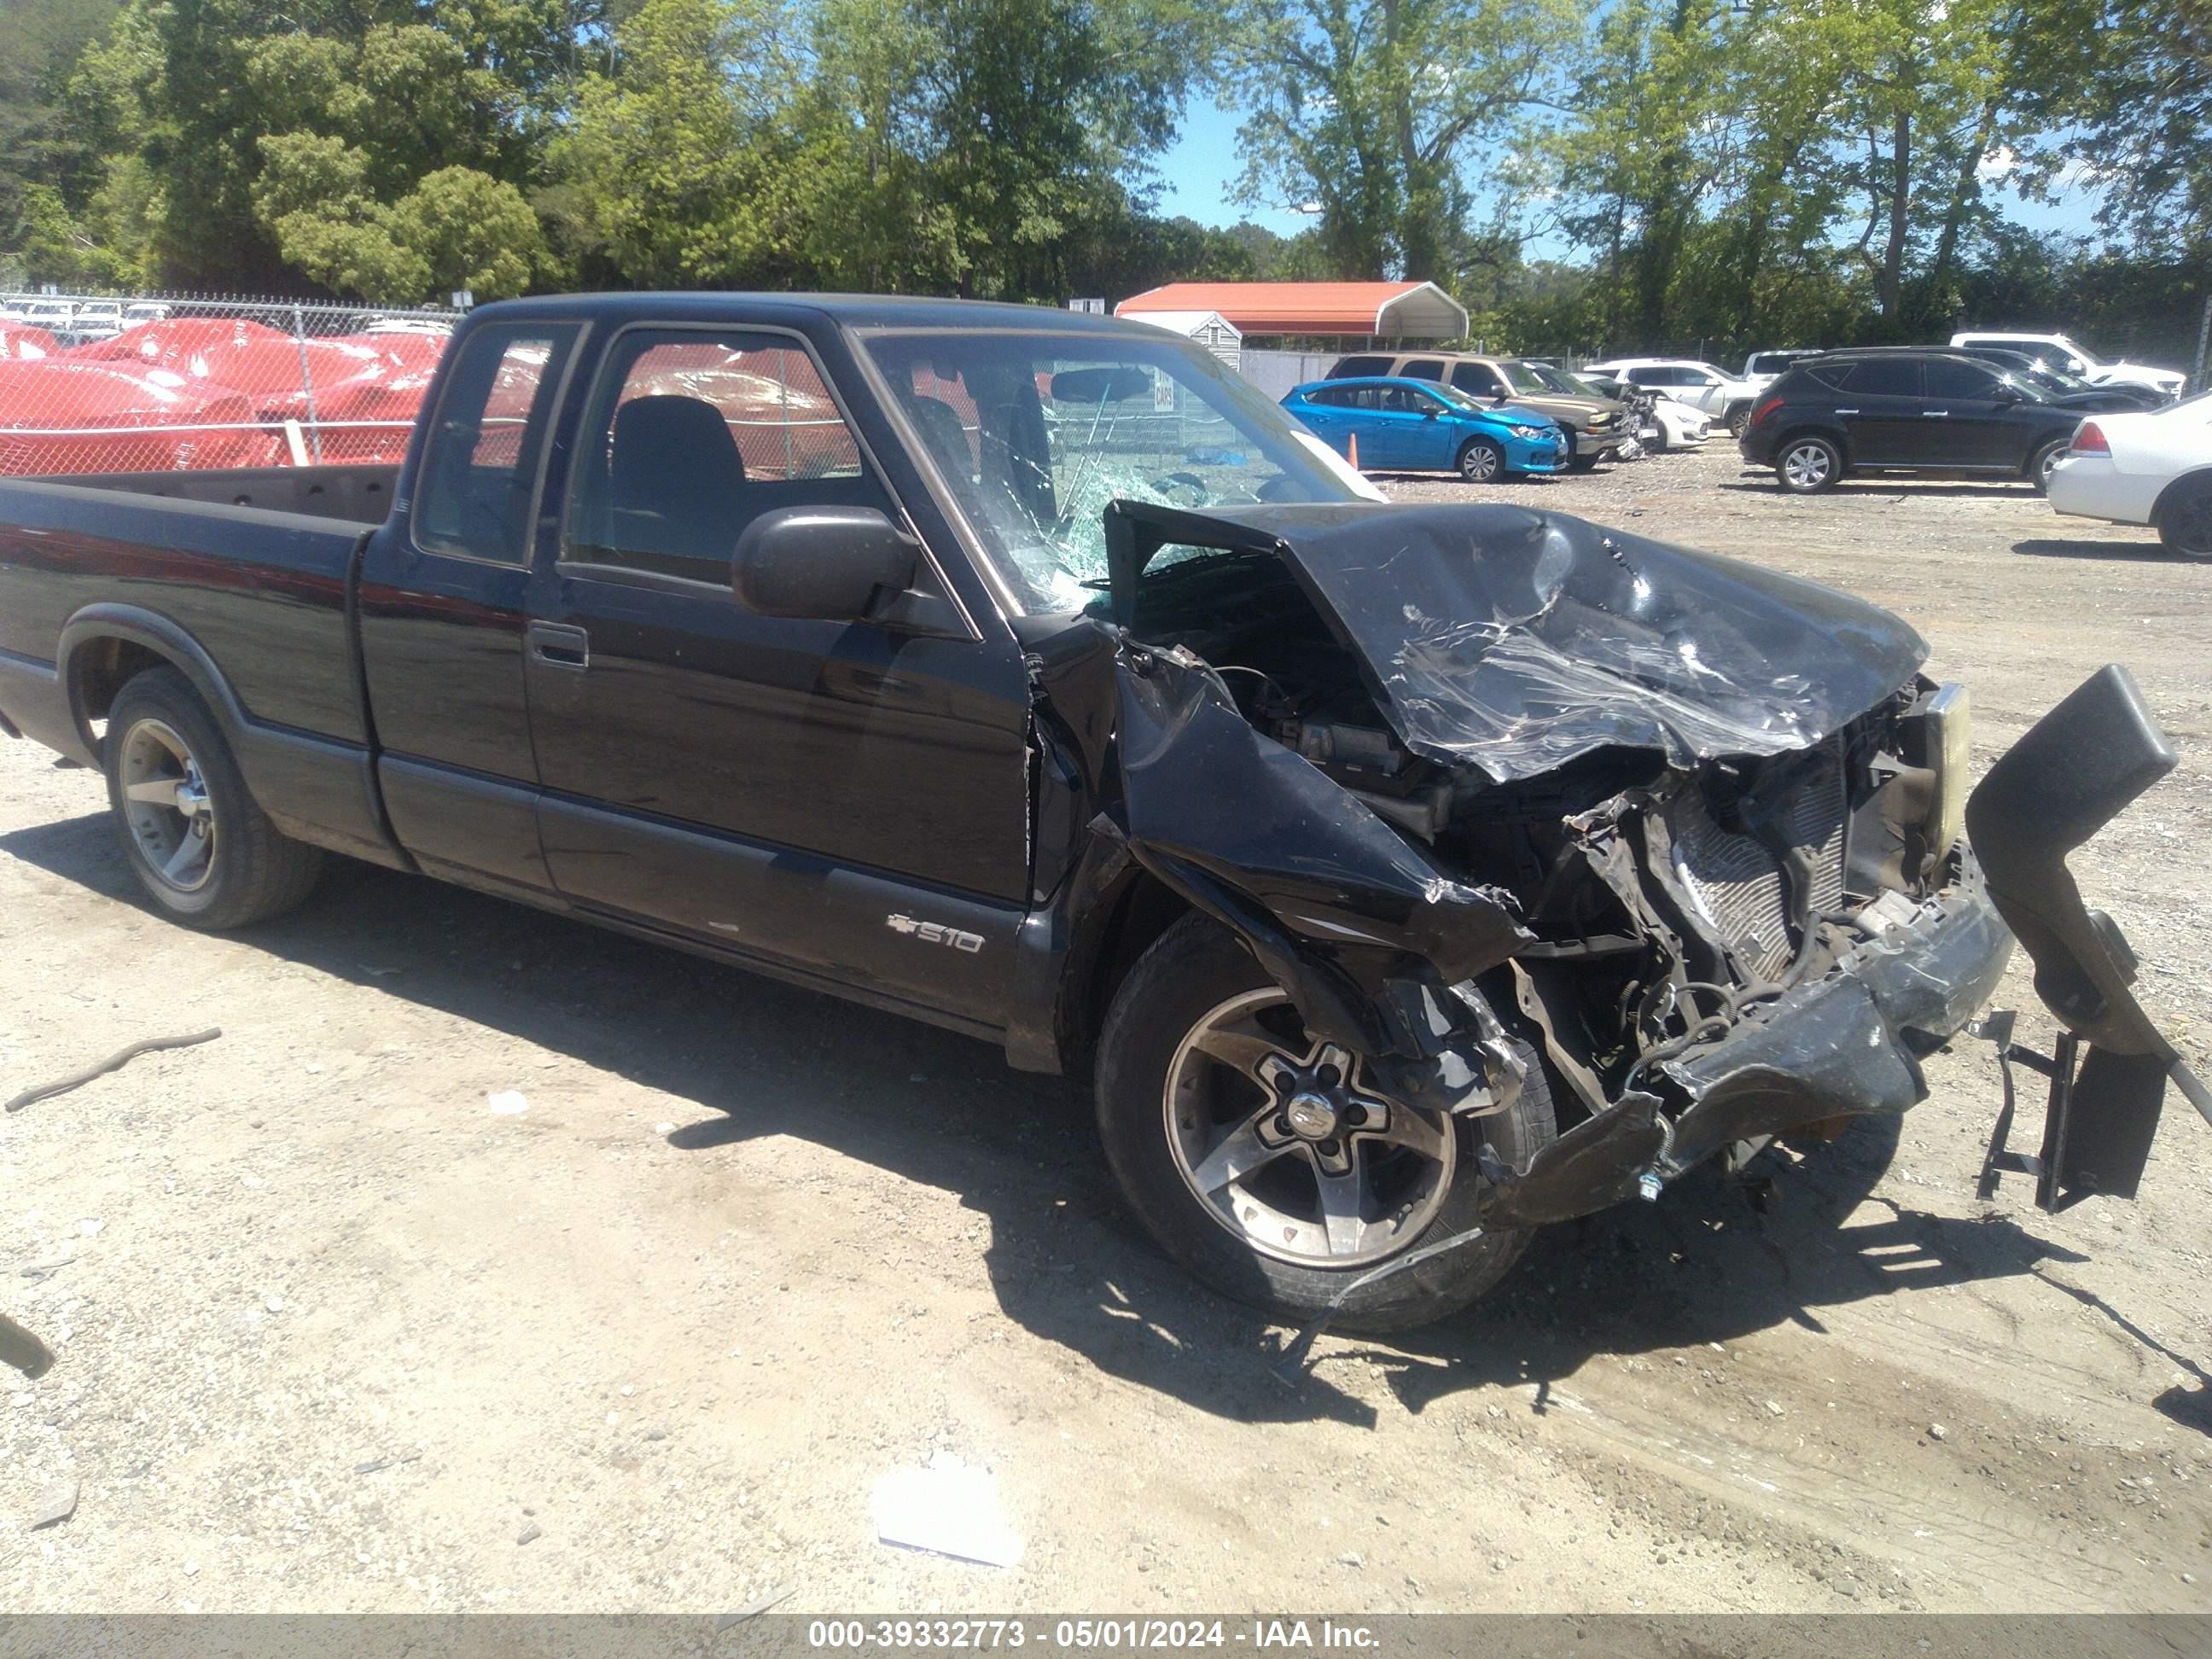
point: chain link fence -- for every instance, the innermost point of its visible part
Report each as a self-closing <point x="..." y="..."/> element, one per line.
<point x="150" y="383"/>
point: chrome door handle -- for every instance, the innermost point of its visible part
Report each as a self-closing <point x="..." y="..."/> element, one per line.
<point x="1934" y="414"/>
<point x="1847" y="411"/>
<point x="559" y="646"/>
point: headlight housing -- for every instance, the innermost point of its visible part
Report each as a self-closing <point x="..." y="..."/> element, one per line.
<point x="1527" y="431"/>
<point x="1947" y="728"/>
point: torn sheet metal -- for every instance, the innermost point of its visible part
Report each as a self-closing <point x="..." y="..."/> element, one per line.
<point x="1355" y="921"/>
<point x="1515" y="641"/>
<point x="1597" y="1164"/>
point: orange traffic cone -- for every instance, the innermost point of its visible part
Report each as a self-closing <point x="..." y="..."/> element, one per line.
<point x="1352" y="442"/>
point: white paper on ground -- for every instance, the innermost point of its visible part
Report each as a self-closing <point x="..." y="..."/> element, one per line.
<point x="947" y="1508"/>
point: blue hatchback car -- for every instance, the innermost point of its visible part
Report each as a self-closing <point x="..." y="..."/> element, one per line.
<point x="1421" y="426"/>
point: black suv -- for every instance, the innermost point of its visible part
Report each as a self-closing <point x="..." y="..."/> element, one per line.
<point x="1904" y="411"/>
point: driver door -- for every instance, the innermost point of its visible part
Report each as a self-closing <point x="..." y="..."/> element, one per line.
<point x="786" y="789"/>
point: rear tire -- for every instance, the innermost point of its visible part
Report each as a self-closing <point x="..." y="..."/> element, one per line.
<point x="2038" y="470"/>
<point x="1739" y="419"/>
<point x="2184" y="519"/>
<point x="206" y="855"/>
<point x="1807" y="466"/>
<point x="1155" y="1125"/>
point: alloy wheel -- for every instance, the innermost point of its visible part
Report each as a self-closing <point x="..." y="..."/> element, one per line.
<point x="171" y="818"/>
<point x="1807" y="466"/>
<point x="1283" y="1142"/>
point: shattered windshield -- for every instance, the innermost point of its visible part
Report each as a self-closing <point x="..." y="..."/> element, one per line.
<point x="1036" y="433"/>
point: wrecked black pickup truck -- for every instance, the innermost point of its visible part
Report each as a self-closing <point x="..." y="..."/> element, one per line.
<point x="1409" y="876"/>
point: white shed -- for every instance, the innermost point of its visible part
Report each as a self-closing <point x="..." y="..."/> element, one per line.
<point x="1209" y="328"/>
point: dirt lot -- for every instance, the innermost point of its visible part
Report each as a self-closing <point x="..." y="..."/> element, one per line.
<point x="747" y="1249"/>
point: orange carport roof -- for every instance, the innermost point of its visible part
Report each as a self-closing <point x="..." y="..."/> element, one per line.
<point x="1404" y="310"/>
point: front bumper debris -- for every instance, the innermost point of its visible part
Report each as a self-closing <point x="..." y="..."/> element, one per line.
<point x="2075" y="771"/>
<point x="1848" y="1043"/>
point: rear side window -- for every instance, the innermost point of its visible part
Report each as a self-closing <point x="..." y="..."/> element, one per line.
<point x="1885" y="377"/>
<point x="1333" y="397"/>
<point x="1351" y="368"/>
<point x="1424" y="369"/>
<point x="1950" y="380"/>
<point x="480" y="467"/>
<point x="690" y="435"/>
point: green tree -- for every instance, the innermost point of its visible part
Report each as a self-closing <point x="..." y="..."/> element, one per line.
<point x="1386" y="116"/>
<point x="2125" y="105"/>
<point x="384" y="176"/>
<point x="43" y="41"/>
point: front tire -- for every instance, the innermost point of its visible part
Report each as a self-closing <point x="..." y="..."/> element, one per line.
<point x="204" y="852"/>
<point x="1481" y="461"/>
<point x="1808" y="466"/>
<point x="1276" y="1192"/>
<point x="2184" y="519"/>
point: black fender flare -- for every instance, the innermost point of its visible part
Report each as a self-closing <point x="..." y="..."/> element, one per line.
<point x="165" y="638"/>
<point x="315" y="789"/>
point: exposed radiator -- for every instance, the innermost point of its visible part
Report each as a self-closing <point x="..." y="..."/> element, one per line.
<point x="1737" y="882"/>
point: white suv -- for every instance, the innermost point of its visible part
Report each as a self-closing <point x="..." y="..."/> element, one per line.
<point x="2079" y="361"/>
<point x="1719" y="393"/>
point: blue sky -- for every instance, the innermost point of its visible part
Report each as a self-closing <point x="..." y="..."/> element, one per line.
<point x="1199" y="170"/>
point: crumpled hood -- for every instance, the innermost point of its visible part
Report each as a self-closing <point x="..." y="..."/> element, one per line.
<point x="1514" y="641"/>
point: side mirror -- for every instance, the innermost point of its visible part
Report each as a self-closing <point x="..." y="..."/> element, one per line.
<point x="828" y="563"/>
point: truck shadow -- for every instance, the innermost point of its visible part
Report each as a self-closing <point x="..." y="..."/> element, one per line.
<point x="2147" y="552"/>
<point x="1900" y="486"/>
<point x="757" y="1058"/>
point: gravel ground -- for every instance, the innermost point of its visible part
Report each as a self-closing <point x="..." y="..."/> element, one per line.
<point x="335" y="1334"/>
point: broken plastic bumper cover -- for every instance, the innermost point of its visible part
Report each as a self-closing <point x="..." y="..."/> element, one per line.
<point x="1849" y="1042"/>
<point x="1845" y="1044"/>
<point x="2075" y="771"/>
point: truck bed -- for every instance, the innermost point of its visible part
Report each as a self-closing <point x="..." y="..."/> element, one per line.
<point x="250" y="566"/>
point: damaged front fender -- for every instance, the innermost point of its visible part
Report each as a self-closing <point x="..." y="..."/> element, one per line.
<point x="1366" y="934"/>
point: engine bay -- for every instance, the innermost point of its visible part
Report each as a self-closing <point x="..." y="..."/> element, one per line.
<point x="1668" y="902"/>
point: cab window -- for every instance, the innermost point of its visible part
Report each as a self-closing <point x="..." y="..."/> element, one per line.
<point x="479" y="469"/>
<point x="690" y="435"/>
